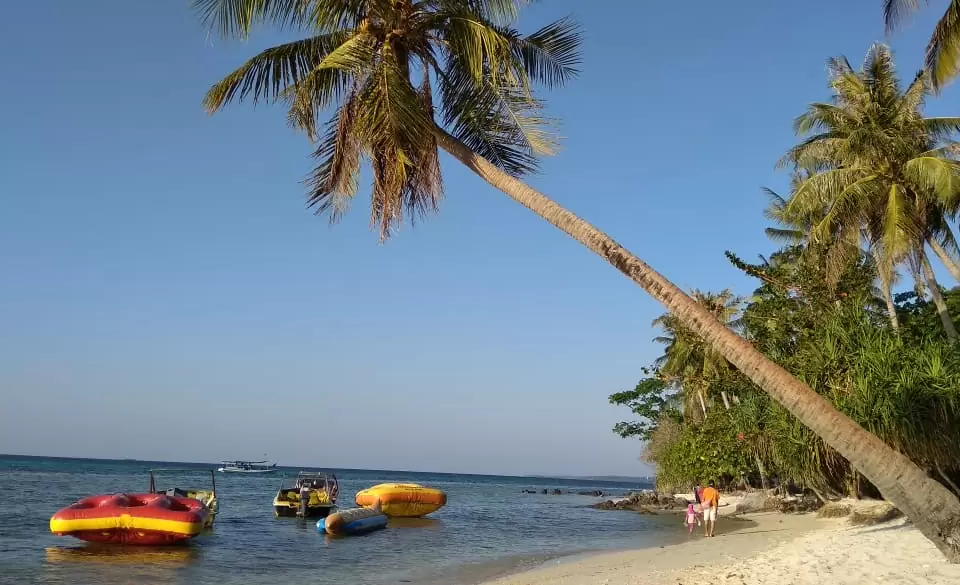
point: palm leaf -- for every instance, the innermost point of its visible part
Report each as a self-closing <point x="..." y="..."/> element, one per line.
<point x="235" y="18"/>
<point x="894" y="11"/>
<point x="943" y="52"/>
<point x="821" y="189"/>
<point x="501" y="123"/>
<point x="933" y="174"/>
<point x="271" y="74"/>
<point x="941" y="128"/>
<point x="552" y="54"/>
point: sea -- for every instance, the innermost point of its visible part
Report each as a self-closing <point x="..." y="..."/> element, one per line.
<point x="490" y="527"/>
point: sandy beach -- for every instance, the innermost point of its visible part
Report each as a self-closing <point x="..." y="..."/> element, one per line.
<point x="765" y="549"/>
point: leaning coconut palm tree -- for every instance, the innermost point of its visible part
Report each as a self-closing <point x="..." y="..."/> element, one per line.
<point x="882" y="169"/>
<point x="943" y="50"/>
<point x="366" y="60"/>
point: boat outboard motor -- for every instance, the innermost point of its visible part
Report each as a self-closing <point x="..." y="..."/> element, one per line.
<point x="304" y="499"/>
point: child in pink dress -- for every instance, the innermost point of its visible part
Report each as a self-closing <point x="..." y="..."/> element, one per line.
<point x="691" y="519"/>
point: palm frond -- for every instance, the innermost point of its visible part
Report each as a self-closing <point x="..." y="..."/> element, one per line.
<point x="236" y="18"/>
<point x="937" y="175"/>
<point x="333" y="183"/>
<point x="941" y="128"/>
<point x="481" y="49"/>
<point x="914" y="97"/>
<point x="943" y="52"/>
<point x="820" y="116"/>
<point x="848" y="206"/>
<point x="501" y="123"/>
<point x="271" y="74"/>
<point x="786" y="236"/>
<point x="395" y="129"/>
<point x="898" y="231"/>
<point x="551" y="55"/>
<point x="498" y="12"/>
<point x="894" y="11"/>
<point x="821" y="189"/>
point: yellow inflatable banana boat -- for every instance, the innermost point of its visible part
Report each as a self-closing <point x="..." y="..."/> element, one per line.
<point x="404" y="500"/>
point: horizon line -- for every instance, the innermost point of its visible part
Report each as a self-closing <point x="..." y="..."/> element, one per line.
<point x="607" y="477"/>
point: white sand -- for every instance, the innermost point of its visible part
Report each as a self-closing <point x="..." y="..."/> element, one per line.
<point x="766" y="549"/>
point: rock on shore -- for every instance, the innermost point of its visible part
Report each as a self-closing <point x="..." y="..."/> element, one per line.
<point x="644" y="502"/>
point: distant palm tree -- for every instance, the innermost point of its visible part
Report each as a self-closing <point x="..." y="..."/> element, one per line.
<point x="943" y="50"/>
<point x="880" y="168"/>
<point x="796" y="229"/>
<point x="378" y="62"/>
<point x="687" y="360"/>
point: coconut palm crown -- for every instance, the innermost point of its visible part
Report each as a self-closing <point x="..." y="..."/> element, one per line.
<point x="880" y="166"/>
<point x="391" y="71"/>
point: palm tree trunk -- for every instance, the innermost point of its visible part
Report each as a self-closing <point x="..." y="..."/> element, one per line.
<point x="938" y="301"/>
<point x="763" y="471"/>
<point x="885" y="288"/>
<point x="931" y="506"/>
<point x="945" y="258"/>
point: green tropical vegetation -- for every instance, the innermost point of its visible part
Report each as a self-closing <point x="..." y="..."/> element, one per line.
<point x="874" y="186"/>
<point x="404" y="78"/>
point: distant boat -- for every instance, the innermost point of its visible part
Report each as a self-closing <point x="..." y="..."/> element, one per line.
<point x="247" y="467"/>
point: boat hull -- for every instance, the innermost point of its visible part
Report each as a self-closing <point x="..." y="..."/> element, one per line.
<point x="133" y="519"/>
<point x="285" y="511"/>
<point x="402" y="500"/>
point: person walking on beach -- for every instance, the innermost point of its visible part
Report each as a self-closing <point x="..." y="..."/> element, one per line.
<point x="710" y="500"/>
<point x="692" y="519"/>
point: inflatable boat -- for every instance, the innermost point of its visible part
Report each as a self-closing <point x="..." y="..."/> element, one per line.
<point x="352" y="522"/>
<point x="135" y="519"/>
<point x="404" y="500"/>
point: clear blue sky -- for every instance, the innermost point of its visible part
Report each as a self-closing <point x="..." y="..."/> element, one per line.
<point x="165" y="294"/>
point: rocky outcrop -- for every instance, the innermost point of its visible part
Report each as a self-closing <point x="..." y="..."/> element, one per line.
<point x="643" y="502"/>
<point x="799" y="505"/>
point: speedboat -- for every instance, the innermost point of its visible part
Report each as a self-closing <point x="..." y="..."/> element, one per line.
<point x="319" y="490"/>
<point x="247" y="467"/>
<point x="208" y="497"/>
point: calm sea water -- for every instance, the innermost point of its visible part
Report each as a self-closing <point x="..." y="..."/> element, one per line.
<point x="488" y="528"/>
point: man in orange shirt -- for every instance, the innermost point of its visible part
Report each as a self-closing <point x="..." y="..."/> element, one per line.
<point x="710" y="501"/>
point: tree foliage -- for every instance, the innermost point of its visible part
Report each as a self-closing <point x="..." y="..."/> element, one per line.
<point x="651" y="400"/>
<point x="873" y="183"/>
<point x="390" y="72"/>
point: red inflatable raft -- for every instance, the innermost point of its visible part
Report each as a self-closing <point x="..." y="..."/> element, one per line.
<point x="139" y="519"/>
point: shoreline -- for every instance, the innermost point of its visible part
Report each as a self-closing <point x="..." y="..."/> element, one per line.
<point x="765" y="548"/>
<point x="752" y="533"/>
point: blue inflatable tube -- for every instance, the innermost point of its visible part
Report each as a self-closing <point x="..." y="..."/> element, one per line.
<point x="359" y="526"/>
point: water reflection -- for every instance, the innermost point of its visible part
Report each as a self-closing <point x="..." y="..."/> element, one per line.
<point x="431" y="523"/>
<point x="169" y="557"/>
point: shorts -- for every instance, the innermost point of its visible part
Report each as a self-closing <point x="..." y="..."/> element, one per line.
<point x="710" y="514"/>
